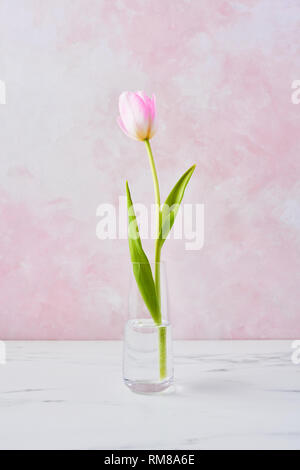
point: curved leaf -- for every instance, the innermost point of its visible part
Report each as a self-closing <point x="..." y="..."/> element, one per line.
<point x="172" y="204"/>
<point x="141" y="266"/>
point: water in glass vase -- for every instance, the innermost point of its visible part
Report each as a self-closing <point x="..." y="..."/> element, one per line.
<point x="143" y="356"/>
<point x="147" y="356"/>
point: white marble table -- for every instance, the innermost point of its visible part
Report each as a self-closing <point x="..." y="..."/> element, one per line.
<point x="228" y="395"/>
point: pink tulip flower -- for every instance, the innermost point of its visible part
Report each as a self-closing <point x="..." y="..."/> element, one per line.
<point x="137" y="115"/>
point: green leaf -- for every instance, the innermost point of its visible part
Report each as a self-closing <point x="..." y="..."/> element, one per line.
<point x="141" y="266"/>
<point x="172" y="204"/>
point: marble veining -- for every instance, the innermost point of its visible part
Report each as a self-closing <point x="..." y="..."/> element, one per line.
<point x="228" y="395"/>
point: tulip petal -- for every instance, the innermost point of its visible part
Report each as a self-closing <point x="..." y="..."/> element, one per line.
<point x="153" y="106"/>
<point x="122" y="126"/>
<point x="149" y="105"/>
<point x="145" y="98"/>
<point x="153" y="127"/>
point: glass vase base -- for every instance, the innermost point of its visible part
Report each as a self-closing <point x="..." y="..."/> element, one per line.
<point x="147" y="388"/>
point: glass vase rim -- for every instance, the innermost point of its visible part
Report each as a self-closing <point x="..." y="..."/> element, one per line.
<point x="149" y="323"/>
<point x="150" y="262"/>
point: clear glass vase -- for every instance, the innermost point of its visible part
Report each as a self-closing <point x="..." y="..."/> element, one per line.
<point x="148" y="357"/>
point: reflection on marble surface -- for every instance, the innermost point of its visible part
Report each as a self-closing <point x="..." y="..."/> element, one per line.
<point x="241" y="394"/>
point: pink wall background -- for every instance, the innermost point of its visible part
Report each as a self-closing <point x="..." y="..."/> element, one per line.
<point x="222" y="73"/>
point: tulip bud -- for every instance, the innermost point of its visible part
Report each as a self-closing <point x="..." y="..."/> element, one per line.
<point x="137" y="115"/>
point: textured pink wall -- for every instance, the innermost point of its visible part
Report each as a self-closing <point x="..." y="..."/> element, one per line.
<point x="222" y="72"/>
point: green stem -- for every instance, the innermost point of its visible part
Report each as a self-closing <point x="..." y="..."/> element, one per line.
<point x="162" y="330"/>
